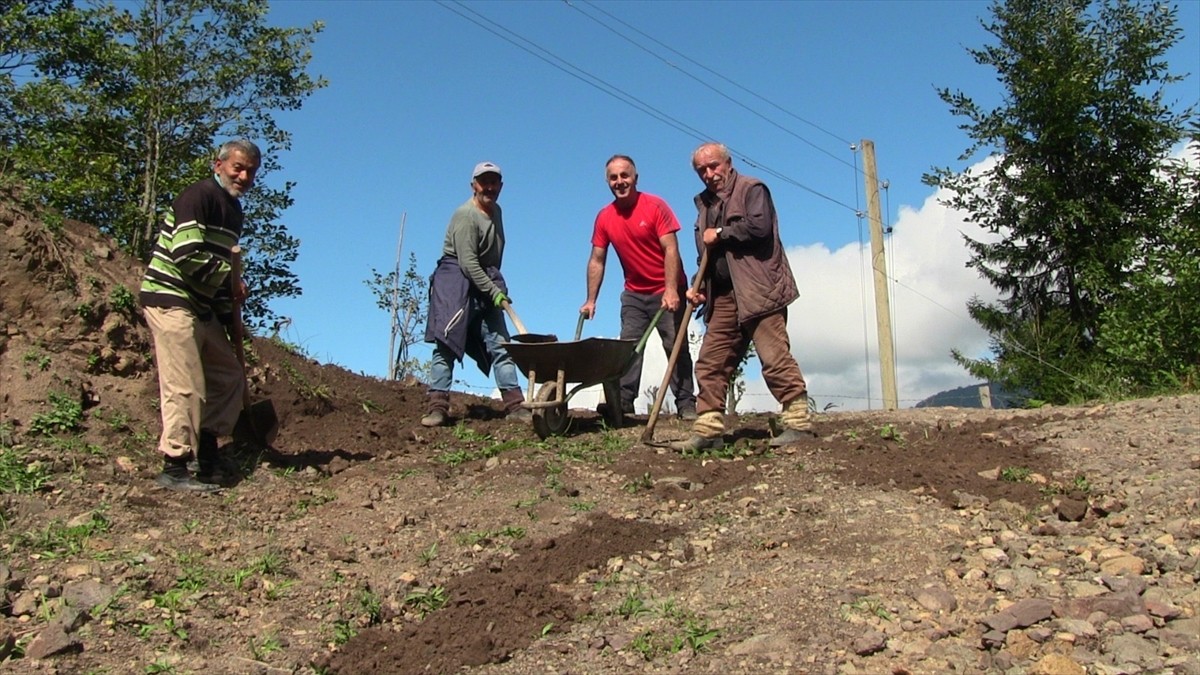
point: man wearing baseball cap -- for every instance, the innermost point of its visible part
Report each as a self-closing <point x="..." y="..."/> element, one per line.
<point x="466" y="293"/>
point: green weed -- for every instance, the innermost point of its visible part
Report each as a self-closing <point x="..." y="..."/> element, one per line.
<point x="867" y="605"/>
<point x="19" y="475"/>
<point x="59" y="540"/>
<point x="889" y="432"/>
<point x="343" y="631"/>
<point x="261" y="649"/>
<point x="633" y="604"/>
<point x="65" y="416"/>
<point x="122" y="299"/>
<point x="429" y="555"/>
<point x="428" y="600"/>
<point x="1015" y="474"/>
<point x="645" y="482"/>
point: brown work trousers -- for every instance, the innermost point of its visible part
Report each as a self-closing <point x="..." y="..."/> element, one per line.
<point x="725" y="344"/>
<point x="200" y="381"/>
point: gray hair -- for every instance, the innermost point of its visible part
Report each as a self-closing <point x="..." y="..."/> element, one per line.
<point x="722" y="151"/>
<point x="246" y="147"/>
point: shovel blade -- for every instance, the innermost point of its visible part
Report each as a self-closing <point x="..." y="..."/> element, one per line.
<point x="258" y="423"/>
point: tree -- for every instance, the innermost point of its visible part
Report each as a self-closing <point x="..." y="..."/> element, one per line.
<point x="121" y="110"/>
<point x="406" y="300"/>
<point x="1077" y="198"/>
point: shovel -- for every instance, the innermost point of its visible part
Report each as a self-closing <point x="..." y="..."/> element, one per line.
<point x="522" y="334"/>
<point x="680" y="338"/>
<point x="258" y="421"/>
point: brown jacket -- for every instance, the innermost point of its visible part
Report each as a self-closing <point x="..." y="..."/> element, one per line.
<point x="762" y="278"/>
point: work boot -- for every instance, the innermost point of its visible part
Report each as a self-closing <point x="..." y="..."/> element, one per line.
<point x="687" y="411"/>
<point x="707" y="432"/>
<point x="790" y="436"/>
<point x="796" y="425"/>
<point x="439" y="409"/>
<point x="516" y="412"/>
<point x="207" y="458"/>
<point x="626" y="408"/>
<point x="697" y="443"/>
<point x="176" y="476"/>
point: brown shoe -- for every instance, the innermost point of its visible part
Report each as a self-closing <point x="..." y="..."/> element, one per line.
<point x="435" y="418"/>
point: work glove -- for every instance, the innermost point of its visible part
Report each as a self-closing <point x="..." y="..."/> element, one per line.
<point x="501" y="299"/>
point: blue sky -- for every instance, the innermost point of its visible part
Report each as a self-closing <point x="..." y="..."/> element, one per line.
<point x="421" y="91"/>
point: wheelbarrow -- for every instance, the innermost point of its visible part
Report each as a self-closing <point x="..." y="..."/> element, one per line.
<point x="552" y="366"/>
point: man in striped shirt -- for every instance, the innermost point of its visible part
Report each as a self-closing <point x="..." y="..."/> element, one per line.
<point x="187" y="297"/>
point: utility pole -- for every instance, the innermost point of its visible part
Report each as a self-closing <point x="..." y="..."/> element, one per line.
<point x="395" y="301"/>
<point x="883" y="311"/>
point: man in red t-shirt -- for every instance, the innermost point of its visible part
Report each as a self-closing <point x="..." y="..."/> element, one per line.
<point x="641" y="227"/>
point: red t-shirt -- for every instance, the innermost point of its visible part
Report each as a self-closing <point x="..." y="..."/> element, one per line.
<point x="635" y="236"/>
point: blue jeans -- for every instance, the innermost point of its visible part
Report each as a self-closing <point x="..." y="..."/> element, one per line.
<point x="492" y="331"/>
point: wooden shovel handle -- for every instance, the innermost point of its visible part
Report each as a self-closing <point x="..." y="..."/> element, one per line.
<point x="512" y="314"/>
<point x="680" y="338"/>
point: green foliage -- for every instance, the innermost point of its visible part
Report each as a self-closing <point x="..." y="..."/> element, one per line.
<point x="59" y="540"/>
<point x="261" y="649"/>
<point x="406" y="299"/>
<point x="18" y="475"/>
<point x="426" y="600"/>
<point x="343" y="630"/>
<point x="633" y="604"/>
<point x="118" y="108"/>
<point x="678" y="629"/>
<point x="889" y="432"/>
<point x="122" y="299"/>
<point x="1015" y="474"/>
<point x="868" y="605"/>
<point x="65" y="416"/>
<point x="645" y="482"/>
<point x="371" y="605"/>
<point x="1091" y="229"/>
<point x="429" y="555"/>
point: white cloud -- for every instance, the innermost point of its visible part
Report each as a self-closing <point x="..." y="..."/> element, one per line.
<point x="833" y="328"/>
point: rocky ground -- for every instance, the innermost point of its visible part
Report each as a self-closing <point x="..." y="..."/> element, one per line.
<point x="1059" y="540"/>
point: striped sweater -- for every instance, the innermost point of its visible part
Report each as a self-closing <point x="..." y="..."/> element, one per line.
<point x="189" y="266"/>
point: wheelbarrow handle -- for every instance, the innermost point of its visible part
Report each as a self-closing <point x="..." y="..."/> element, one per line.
<point x="649" y="329"/>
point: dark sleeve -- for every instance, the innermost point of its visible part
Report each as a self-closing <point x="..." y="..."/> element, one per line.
<point x="755" y="225"/>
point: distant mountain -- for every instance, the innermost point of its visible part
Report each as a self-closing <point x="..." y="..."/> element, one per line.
<point x="968" y="397"/>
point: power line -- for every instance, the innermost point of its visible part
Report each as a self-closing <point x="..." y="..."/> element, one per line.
<point x="582" y="75"/>
<point x="706" y="84"/>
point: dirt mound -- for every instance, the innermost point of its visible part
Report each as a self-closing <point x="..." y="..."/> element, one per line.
<point x="930" y="540"/>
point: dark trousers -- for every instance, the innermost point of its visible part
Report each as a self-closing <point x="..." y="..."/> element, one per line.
<point x="637" y="310"/>
<point x="725" y="344"/>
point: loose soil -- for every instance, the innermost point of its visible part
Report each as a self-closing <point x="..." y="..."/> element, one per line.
<point x="361" y="542"/>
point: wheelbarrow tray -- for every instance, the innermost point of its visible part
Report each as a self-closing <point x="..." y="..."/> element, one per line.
<point x="588" y="362"/>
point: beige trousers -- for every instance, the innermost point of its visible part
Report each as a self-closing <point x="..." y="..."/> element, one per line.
<point x="200" y="381"/>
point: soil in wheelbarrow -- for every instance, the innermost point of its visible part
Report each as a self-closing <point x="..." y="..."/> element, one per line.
<point x="364" y="542"/>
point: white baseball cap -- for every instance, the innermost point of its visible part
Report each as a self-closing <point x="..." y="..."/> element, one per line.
<point x="484" y="167"/>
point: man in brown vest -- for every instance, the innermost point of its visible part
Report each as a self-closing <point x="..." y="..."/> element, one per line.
<point x="746" y="288"/>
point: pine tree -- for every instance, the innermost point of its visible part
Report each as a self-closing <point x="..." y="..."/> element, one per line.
<point x="1077" y="197"/>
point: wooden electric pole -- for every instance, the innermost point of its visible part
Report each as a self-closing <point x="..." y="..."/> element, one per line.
<point x="883" y="310"/>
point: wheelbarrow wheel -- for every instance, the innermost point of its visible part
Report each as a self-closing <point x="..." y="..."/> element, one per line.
<point x="553" y="420"/>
